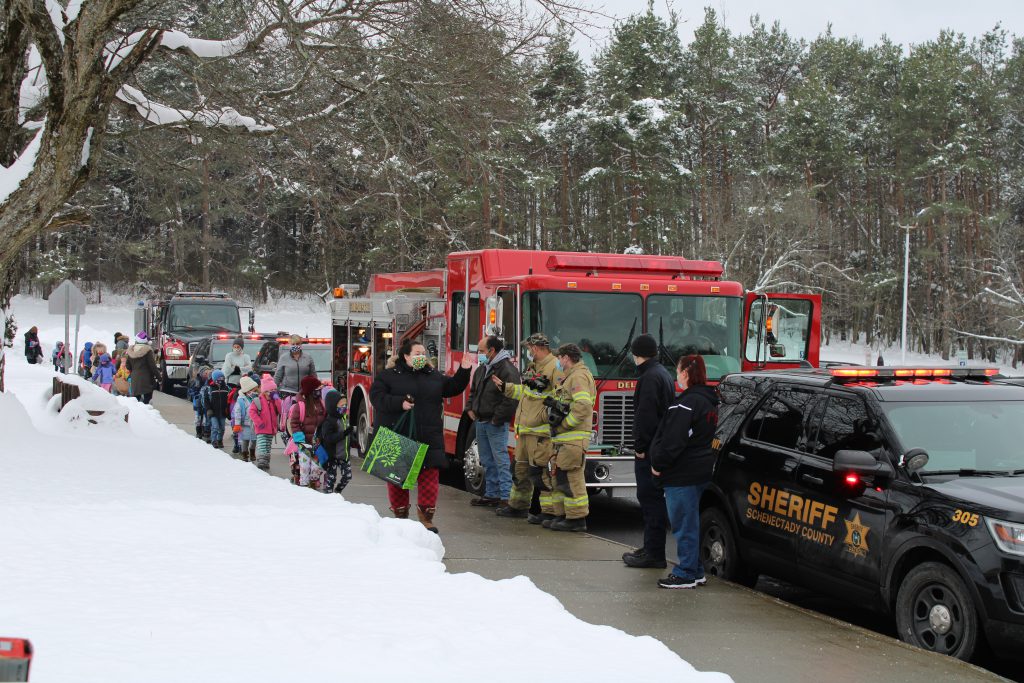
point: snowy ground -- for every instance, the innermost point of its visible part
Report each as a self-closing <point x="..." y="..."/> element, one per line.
<point x="134" y="552"/>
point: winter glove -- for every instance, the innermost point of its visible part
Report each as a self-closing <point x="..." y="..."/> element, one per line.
<point x="299" y="437"/>
<point x="236" y="429"/>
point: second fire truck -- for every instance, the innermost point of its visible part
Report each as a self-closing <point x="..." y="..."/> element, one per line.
<point x="597" y="301"/>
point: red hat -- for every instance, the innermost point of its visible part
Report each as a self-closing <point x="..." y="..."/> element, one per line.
<point x="308" y="385"/>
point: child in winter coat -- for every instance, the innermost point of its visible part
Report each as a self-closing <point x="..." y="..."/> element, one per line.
<point x="85" y="361"/>
<point x="236" y="447"/>
<point x="241" y="423"/>
<point x="195" y="394"/>
<point x="333" y="435"/>
<point x="215" y="403"/>
<point x="265" y="413"/>
<point x="59" y="358"/>
<point x="103" y="373"/>
<point x="304" y="417"/>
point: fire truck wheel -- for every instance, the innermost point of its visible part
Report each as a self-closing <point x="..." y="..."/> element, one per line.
<point x="472" y="469"/>
<point x="362" y="430"/>
<point x="166" y="385"/>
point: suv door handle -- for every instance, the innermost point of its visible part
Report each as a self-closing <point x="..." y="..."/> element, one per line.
<point x="811" y="479"/>
<point x="737" y="457"/>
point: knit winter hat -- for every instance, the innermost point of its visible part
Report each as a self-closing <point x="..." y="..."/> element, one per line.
<point x="238" y="342"/>
<point x="105" y="358"/>
<point x="247" y="385"/>
<point x="268" y="384"/>
<point x="308" y="385"/>
<point x="218" y="374"/>
<point x="644" y="346"/>
<point x="142" y="337"/>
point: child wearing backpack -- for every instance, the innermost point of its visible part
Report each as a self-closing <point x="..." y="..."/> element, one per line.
<point x="195" y="391"/>
<point x="103" y="373"/>
<point x="241" y="423"/>
<point x="332" y="435"/>
<point x="59" y="357"/>
<point x="232" y="397"/>
<point x="305" y="416"/>
<point x="265" y="413"/>
<point x="85" y="361"/>
<point x="215" y="401"/>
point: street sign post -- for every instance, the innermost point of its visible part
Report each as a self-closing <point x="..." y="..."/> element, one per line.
<point x="67" y="299"/>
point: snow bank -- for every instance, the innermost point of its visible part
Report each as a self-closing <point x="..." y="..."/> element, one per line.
<point x="134" y="552"/>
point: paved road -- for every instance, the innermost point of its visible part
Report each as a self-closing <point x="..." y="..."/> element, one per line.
<point x="719" y="627"/>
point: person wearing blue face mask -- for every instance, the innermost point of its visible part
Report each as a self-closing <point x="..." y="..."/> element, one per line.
<point x="492" y="412"/>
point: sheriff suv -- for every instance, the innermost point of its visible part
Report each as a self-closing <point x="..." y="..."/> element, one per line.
<point x="900" y="488"/>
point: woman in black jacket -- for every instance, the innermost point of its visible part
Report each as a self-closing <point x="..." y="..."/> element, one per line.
<point x="414" y="382"/>
<point x="682" y="461"/>
<point x="33" y="349"/>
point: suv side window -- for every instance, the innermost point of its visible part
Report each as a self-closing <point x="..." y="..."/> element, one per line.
<point x="845" y="425"/>
<point x="780" y="419"/>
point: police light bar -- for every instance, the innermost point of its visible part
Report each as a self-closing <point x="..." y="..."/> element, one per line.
<point x="306" y="340"/>
<point x="855" y="373"/>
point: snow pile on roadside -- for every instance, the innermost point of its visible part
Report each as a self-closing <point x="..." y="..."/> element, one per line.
<point x="132" y="552"/>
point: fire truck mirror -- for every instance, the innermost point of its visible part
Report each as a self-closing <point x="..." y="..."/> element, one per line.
<point x="494" y="307"/>
<point x="777" y="350"/>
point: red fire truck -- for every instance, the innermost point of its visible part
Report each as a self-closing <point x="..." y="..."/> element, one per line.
<point x="598" y="301"/>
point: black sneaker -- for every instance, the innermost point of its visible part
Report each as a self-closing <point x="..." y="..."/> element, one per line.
<point x="641" y="560"/>
<point x="509" y="511"/>
<point x="673" y="581"/>
<point x="563" y="524"/>
<point x="539" y="519"/>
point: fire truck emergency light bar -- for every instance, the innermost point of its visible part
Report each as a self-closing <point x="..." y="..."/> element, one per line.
<point x="236" y="335"/>
<point x="666" y="265"/>
<point x="309" y="340"/>
<point x="854" y="373"/>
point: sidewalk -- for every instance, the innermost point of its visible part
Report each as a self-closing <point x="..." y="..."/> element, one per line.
<point x="718" y="627"/>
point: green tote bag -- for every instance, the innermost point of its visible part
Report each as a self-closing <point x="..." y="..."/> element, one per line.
<point x="396" y="458"/>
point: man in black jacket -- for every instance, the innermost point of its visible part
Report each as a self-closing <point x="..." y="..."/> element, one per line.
<point x="654" y="392"/>
<point x="493" y="411"/>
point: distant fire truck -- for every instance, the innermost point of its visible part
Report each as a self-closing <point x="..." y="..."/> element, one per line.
<point x="177" y="323"/>
<point x="597" y="301"/>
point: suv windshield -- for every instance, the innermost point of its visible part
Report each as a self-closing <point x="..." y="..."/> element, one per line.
<point x="981" y="435"/>
<point x="597" y="322"/>
<point x="708" y="325"/>
<point x="186" y="317"/>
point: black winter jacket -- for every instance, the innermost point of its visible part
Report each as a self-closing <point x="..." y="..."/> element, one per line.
<point x="33" y="349"/>
<point x="487" y="401"/>
<point x="334" y="431"/>
<point x="654" y="392"/>
<point x="681" y="450"/>
<point x="429" y="388"/>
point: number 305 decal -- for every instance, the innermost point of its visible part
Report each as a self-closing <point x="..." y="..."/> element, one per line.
<point x="964" y="517"/>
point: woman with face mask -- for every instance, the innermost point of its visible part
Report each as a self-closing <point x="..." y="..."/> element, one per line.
<point x="413" y="383"/>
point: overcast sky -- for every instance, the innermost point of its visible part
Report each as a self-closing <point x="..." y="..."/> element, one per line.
<point x="904" y="21"/>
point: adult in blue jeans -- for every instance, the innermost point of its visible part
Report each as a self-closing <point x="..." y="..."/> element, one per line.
<point x="682" y="461"/>
<point x="492" y="412"/>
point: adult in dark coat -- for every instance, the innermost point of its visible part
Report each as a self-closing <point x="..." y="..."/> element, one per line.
<point x="654" y="392"/>
<point x="33" y="349"/>
<point x="682" y="461"/>
<point x="141" y="363"/>
<point x="413" y="382"/>
<point x="492" y="412"/>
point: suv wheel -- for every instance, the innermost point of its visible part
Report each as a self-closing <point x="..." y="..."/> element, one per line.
<point x="718" y="551"/>
<point x="934" y="611"/>
<point x="472" y="468"/>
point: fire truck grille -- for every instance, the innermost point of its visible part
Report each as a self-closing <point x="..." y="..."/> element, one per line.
<point x="615" y="424"/>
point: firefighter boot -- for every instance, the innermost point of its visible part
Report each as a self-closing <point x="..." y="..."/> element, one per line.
<point x="539" y="519"/>
<point x="401" y="513"/>
<point x="565" y="524"/>
<point x="427" y="517"/>
<point x="547" y="523"/>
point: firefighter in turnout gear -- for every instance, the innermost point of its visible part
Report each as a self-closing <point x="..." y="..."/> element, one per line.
<point x="571" y="415"/>
<point x="533" y="433"/>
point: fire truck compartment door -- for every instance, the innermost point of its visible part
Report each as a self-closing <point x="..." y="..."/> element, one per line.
<point x="781" y="330"/>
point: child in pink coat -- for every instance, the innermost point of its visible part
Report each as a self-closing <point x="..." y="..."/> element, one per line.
<point x="265" y="411"/>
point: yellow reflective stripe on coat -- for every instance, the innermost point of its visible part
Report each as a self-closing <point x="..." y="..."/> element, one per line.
<point x="572" y="421"/>
<point x="571" y="436"/>
<point x="539" y="429"/>
<point x="583" y="396"/>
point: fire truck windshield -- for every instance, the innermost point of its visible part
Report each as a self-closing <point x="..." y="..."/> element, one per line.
<point x="708" y="325"/>
<point x="598" y="322"/>
<point x="206" y="317"/>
